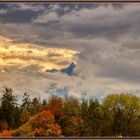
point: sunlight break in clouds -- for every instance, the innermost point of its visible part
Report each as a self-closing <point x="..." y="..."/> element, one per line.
<point x="25" y="55"/>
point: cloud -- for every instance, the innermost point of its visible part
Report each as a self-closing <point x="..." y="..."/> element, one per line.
<point x="33" y="57"/>
<point x="3" y="11"/>
<point x="105" y="21"/>
<point x="52" y="16"/>
<point x="105" y="35"/>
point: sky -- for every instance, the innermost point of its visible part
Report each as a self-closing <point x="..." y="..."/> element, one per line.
<point x="102" y="39"/>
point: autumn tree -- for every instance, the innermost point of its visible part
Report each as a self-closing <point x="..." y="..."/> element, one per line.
<point x="55" y="104"/>
<point x="117" y="114"/>
<point x="123" y="113"/>
<point x="41" y="124"/>
<point x="6" y="133"/>
<point x="24" y="116"/>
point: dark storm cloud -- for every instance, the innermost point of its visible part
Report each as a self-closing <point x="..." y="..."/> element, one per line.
<point x="19" y="13"/>
<point x="92" y="31"/>
<point x="25" y="12"/>
<point x="86" y="23"/>
<point x="18" y="17"/>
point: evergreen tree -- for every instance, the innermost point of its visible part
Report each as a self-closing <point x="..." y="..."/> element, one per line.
<point x="44" y="103"/>
<point x="8" y="107"/>
<point x="94" y="118"/>
<point x="84" y="131"/>
<point x="69" y="123"/>
<point x="26" y="102"/>
<point x="36" y="106"/>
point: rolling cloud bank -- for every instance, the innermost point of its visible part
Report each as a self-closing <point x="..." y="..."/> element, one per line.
<point x="40" y="42"/>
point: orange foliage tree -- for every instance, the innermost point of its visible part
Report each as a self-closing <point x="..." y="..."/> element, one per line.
<point x="41" y="124"/>
<point x="55" y="105"/>
<point x="6" y="133"/>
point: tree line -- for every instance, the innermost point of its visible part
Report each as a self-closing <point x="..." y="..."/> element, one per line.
<point x="115" y="115"/>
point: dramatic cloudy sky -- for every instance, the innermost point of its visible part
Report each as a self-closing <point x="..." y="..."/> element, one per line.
<point x="103" y="40"/>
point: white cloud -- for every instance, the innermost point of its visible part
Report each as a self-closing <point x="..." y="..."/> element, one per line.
<point x="3" y="11"/>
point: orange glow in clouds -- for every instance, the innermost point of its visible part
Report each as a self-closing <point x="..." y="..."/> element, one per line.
<point x="25" y="55"/>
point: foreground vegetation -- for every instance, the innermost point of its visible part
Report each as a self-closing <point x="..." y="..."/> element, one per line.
<point x="117" y="114"/>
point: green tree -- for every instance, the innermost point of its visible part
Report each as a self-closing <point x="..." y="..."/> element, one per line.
<point x="85" y="128"/>
<point x="16" y="113"/>
<point x="123" y="112"/>
<point x="26" y="102"/>
<point x="5" y="125"/>
<point x="8" y="107"/>
<point x="24" y="116"/>
<point x="36" y="106"/>
<point x="44" y="103"/>
<point x="94" y="117"/>
<point x="69" y="123"/>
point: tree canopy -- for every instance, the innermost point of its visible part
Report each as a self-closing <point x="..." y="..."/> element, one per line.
<point x="116" y="114"/>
